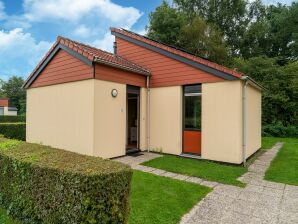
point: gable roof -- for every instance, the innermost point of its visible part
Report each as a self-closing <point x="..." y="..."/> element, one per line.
<point x="87" y="54"/>
<point x="177" y="54"/>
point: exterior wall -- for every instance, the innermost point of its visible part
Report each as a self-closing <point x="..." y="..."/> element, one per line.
<point x="107" y="73"/>
<point x="109" y="119"/>
<point x="166" y="119"/>
<point x="62" y="116"/>
<point x="63" y="68"/>
<point x="143" y="119"/>
<point x="10" y="112"/>
<point x="254" y="120"/>
<point x="165" y="71"/>
<point x="222" y="121"/>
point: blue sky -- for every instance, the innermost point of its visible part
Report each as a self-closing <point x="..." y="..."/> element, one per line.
<point x="29" y="27"/>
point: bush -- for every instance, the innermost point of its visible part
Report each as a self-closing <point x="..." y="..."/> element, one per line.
<point x="278" y="130"/>
<point x="13" y="130"/>
<point x="11" y="119"/>
<point x="40" y="184"/>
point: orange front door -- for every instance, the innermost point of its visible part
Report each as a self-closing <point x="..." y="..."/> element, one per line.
<point x="192" y="142"/>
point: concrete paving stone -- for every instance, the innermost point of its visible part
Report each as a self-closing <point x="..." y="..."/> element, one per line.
<point x="254" y="189"/>
<point x="249" y="196"/>
<point x="291" y="188"/>
<point x="227" y="190"/>
<point x="288" y="217"/>
<point x="158" y="172"/>
<point x="258" y="182"/>
<point x="180" y="177"/>
<point x="243" y="207"/>
<point x="290" y="205"/>
<point x="261" y="163"/>
<point x="142" y="168"/>
<point x="269" y="200"/>
<point x="220" y="198"/>
<point x="169" y="174"/>
<point x="232" y="217"/>
<point x="273" y="192"/>
<point x="275" y="185"/>
<point x="209" y="183"/>
<point x="195" y="180"/>
<point x="266" y="214"/>
<point x="288" y="194"/>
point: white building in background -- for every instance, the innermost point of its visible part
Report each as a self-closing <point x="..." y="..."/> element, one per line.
<point x="5" y="109"/>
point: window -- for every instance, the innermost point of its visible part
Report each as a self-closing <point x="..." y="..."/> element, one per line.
<point x="192" y="107"/>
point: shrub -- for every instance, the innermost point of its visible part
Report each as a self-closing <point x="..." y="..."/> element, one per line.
<point x="40" y="184"/>
<point x="13" y="130"/>
<point x="11" y="119"/>
<point x="278" y="130"/>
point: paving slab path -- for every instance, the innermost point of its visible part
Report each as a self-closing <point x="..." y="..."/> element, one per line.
<point x="260" y="201"/>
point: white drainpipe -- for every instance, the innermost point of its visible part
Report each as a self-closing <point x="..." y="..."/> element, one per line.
<point x="148" y="113"/>
<point x="244" y="118"/>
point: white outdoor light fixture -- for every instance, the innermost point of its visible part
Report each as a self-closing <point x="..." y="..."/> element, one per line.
<point x="114" y="92"/>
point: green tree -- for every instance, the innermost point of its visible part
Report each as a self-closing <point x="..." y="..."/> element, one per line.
<point x="13" y="90"/>
<point x="165" y="24"/>
<point x="204" y="40"/>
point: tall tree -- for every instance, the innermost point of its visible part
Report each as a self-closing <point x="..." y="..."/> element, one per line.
<point x="204" y="40"/>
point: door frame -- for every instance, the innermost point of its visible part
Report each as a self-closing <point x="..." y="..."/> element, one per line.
<point x="133" y="90"/>
<point x="183" y="116"/>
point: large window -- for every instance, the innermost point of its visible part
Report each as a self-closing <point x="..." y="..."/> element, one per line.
<point x="192" y="107"/>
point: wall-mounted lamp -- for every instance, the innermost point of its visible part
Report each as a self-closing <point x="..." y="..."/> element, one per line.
<point x="114" y="92"/>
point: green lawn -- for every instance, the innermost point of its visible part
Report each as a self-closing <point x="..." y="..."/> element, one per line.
<point x="5" y="219"/>
<point x="208" y="170"/>
<point x="157" y="199"/>
<point x="284" y="167"/>
<point x="268" y="142"/>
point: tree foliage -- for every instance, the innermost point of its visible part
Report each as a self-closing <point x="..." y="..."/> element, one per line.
<point x="259" y="40"/>
<point x="13" y="90"/>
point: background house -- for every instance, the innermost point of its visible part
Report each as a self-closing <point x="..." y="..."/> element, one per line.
<point x="5" y="109"/>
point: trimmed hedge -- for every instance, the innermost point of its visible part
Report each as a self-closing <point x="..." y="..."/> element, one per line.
<point x="278" y="130"/>
<point x="13" y="130"/>
<point x="11" y="119"/>
<point x="40" y="184"/>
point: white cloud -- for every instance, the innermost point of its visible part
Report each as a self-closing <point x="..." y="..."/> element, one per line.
<point x="82" y="31"/>
<point x="105" y="43"/>
<point x="74" y="10"/>
<point x="19" y="52"/>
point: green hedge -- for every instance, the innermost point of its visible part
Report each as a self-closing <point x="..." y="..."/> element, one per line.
<point x="278" y="130"/>
<point x="40" y="184"/>
<point x="11" y="119"/>
<point x="13" y="130"/>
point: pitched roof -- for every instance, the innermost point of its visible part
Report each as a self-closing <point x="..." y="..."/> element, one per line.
<point x="92" y="54"/>
<point x="176" y="51"/>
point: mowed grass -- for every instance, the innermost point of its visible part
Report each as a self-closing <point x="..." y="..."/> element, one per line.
<point x="269" y="142"/>
<point x="5" y="219"/>
<point x="156" y="199"/>
<point x="213" y="171"/>
<point x="284" y="167"/>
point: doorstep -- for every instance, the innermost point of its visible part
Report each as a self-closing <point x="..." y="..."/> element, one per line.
<point x="192" y="156"/>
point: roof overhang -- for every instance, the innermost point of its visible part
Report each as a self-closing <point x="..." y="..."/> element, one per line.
<point x="253" y="83"/>
<point x="192" y="63"/>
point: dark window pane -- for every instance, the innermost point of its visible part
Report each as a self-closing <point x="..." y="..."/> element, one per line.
<point x="193" y="89"/>
<point x="192" y="112"/>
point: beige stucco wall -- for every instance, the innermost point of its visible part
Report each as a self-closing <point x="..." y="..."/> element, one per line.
<point x="166" y="119"/>
<point x="222" y="121"/>
<point x="62" y="116"/>
<point x="143" y="119"/>
<point x="109" y="119"/>
<point x="254" y="119"/>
